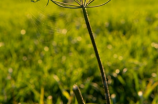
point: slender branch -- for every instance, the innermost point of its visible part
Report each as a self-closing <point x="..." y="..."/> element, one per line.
<point x="77" y="2"/>
<point x="65" y="3"/>
<point x="107" y="95"/>
<point x="61" y="4"/>
<point x="84" y="2"/>
<point x="90" y="1"/>
<point x="98" y="5"/>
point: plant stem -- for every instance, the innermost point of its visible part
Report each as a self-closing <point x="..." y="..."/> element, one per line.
<point x="107" y="95"/>
<point x="78" y="95"/>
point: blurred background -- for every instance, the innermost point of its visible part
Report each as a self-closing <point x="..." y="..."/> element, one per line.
<point x="45" y="50"/>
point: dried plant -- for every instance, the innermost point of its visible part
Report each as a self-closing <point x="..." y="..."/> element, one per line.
<point x="85" y="4"/>
<point x="81" y="4"/>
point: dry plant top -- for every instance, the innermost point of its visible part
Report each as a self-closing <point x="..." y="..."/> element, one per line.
<point x="81" y="4"/>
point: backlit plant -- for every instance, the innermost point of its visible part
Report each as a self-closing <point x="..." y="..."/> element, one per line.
<point x="83" y="4"/>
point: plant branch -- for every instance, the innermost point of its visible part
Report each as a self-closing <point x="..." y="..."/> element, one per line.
<point x="98" y="5"/>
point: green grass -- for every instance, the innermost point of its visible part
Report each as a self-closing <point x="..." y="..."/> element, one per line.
<point x="56" y="52"/>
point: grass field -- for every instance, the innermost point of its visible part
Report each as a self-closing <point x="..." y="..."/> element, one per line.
<point x="45" y="50"/>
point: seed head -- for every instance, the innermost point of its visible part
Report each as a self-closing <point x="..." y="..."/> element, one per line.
<point x="80" y="4"/>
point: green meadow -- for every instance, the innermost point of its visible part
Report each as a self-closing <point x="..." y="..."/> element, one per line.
<point x="45" y="50"/>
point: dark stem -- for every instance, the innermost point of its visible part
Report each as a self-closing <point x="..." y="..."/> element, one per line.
<point x="107" y="95"/>
<point x="78" y="94"/>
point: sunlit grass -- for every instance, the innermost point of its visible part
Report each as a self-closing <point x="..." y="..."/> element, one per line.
<point x="48" y="47"/>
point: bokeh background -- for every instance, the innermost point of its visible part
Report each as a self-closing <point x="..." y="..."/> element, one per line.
<point x="45" y="50"/>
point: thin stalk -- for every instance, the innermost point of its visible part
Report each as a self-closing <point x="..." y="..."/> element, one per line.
<point x="78" y="94"/>
<point x="104" y="80"/>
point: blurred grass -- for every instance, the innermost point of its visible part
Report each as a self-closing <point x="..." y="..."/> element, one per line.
<point x="46" y="50"/>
